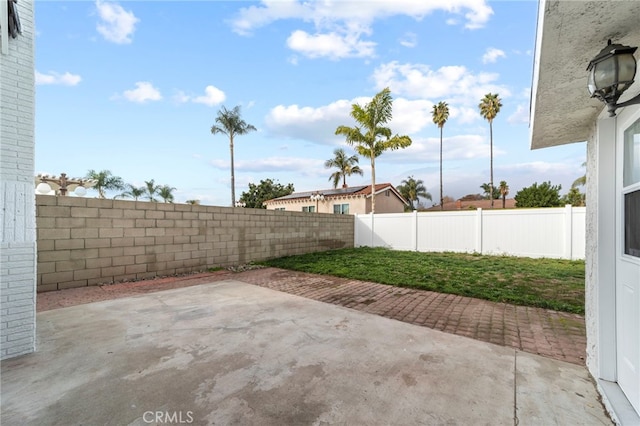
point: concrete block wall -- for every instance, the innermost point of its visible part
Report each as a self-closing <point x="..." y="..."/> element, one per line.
<point x="88" y="241"/>
<point x="17" y="215"/>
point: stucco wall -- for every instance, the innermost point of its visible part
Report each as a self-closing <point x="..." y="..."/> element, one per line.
<point x="591" y="255"/>
<point x="356" y="204"/>
<point x="17" y="216"/>
<point x="88" y="241"/>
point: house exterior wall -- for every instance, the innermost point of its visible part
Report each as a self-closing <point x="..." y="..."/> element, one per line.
<point x="357" y="205"/>
<point x="600" y="268"/>
<point x="88" y="241"/>
<point x="386" y="203"/>
<point x="17" y="216"/>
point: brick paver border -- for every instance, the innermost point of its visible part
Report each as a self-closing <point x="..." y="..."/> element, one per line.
<point x="552" y="334"/>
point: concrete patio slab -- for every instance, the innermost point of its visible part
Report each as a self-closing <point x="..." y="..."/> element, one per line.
<point x="234" y="353"/>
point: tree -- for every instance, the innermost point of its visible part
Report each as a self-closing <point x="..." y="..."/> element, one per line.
<point x="166" y="193"/>
<point x="104" y="181"/>
<point x="150" y="190"/>
<point x="574" y="197"/>
<point x="486" y="187"/>
<point x="267" y="189"/>
<point x="376" y="138"/>
<point x="346" y="166"/>
<point x="440" y="115"/>
<point x="544" y="195"/>
<point x="231" y="124"/>
<point x="132" y="191"/>
<point x="582" y="180"/>
<point x="490" y="107"/>
<point x="504" y="191"/>
<point x="412" y="189"/>
<point x="193" y="202"/>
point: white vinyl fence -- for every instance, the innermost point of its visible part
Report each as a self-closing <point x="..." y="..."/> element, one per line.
<point x="545" y="232"/>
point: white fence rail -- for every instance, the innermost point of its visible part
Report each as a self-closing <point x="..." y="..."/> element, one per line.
<point x="550" y="232"/>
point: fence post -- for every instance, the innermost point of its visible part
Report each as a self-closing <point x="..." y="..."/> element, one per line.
<point x="355" y="230"/>
<point x="372" y="230"/>
<point x="479" y="230"/>
<point x="415" y="231"/>
<point x="568" y="229"/>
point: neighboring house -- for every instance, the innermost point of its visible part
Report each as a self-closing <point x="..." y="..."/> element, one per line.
<point x="509" y="203"/>
<point x="350" y="200"/>
<point x="569" y="35"/>
<point x="17" y="194"/>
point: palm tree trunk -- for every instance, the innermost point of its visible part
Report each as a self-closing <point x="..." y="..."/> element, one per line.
<point x="491" y="155"/>
<point x="504" y="196"/>
<point x="233" y="176"/>
<point x="373" y="183"/>
<point x="441" y="195"/>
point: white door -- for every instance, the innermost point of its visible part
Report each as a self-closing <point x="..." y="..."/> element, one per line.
<point x="628" y="257"/>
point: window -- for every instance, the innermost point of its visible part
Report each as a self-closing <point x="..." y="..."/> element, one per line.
<point x="341" y="208"/>
<point x="632" y="224"/>
<point x="309" y="209"/>
<point x="387" y="193"/>
<point x="630" y="181"/>
<point x="631" y="168"/>
<point x="280" y="209"/>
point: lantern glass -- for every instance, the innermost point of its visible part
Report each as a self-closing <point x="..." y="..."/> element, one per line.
<point x="80" y="191"/>
<point x="627" y="68"/>
<point x="604" y="73"/>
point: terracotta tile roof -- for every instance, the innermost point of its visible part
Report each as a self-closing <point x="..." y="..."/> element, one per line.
<point x="350" y="191"/>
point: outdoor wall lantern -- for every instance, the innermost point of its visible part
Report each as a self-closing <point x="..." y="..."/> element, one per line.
<point x="612" y="72"/>
<point x="61" y="185"/>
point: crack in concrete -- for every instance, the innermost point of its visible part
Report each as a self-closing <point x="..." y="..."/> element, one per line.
<point x="515" y="389"/>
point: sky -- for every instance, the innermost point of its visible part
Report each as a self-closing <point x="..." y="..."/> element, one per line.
<point x="134" y="87"/>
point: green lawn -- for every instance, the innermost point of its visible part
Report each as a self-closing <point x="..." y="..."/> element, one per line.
<point x="545" y="283"/>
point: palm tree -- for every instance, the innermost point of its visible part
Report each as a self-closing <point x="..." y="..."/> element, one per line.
<point x="346" y="166"/>
<point x="412" y="190"/>
<point x="150" y="190"/>
<point x="231" y="124"/>
<point x="504" y="191"/>
<point x="166" y="193"/>
<point x="582" y="180"/>
<point x="132" y="192"/>
<point x="490" y="107"/>
<point x="104" y="181"/>
<point x="376" y="137"/>
<point x="440" y="115"/>
<point x="486" y="187"/>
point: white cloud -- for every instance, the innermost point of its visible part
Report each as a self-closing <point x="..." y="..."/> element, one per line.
<point x="143" y="92"/>
<point x="492" y="54"/>
<point x="409" y="40"/>
<point x="324" y="13"/>
<point x="181" y="97"/>
<point x="212" y="96"/>
<point x="116" y="24"/>
<point x="454" y="84"/>
<point x="541" y="169"/>
<point x="66" y="79"/>
<point x="319" y="124"/>
<point x="459" y="147"/>
<point x="303" y="166"/>
<point x="339" y="26"/>
<point x="520" y="116"/>
<point x="330" y="45"/>
<point x="308" y="123"/>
